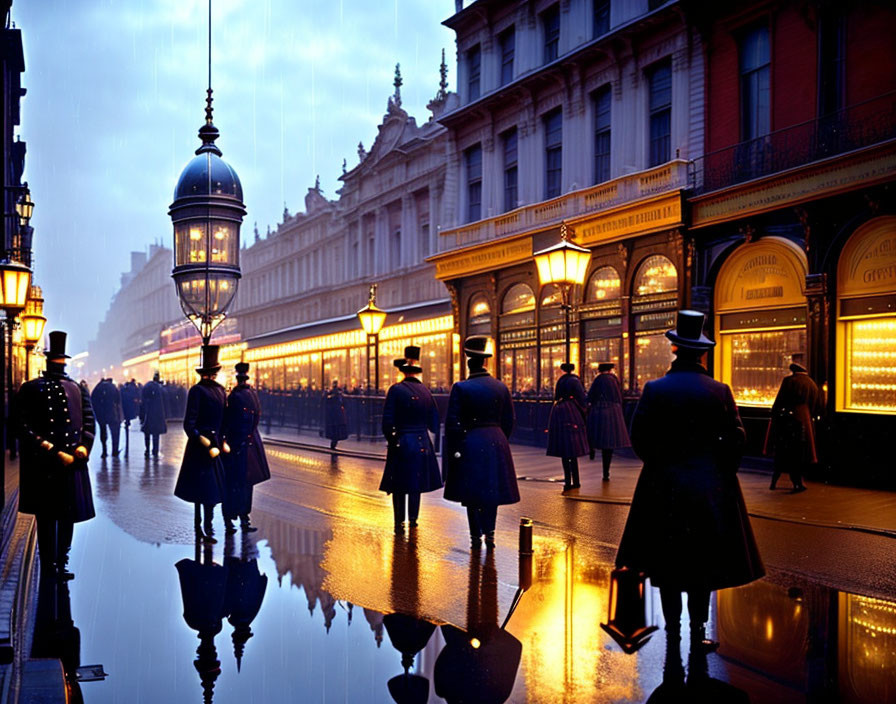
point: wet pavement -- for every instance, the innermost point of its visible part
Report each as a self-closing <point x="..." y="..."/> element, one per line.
<point x="325" y="604"/>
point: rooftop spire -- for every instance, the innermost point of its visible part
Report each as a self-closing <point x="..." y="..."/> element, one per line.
<point x="443" y="80"/>
<point x="397" y="83"/>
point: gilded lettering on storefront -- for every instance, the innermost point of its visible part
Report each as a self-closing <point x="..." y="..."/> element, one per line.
<point x="635" y="219"/>
<point x="868" y="261"/>
<point x="484" y="258"/>
<point x="769" y="272"/>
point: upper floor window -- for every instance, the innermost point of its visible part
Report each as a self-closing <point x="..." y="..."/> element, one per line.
<point x="553" y="153"/>
<point x="507" y="44"/>
<point x="601" y="17"/>
<point x="473" y="164"/>
<point x="395" y="249"/>
<point x="550" y="24"/>
<point x="659" y="80"/>
<point x="831" y="61"/>
<point x="601" y="98"/>
<point x="474" y="68"/>
<point x="755" y="89"/>
<point x="509" y="140"/>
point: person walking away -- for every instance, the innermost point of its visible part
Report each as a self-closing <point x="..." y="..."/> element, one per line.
<point x="107" y="412"/>
<point x="201" y="477"/>
<point x="54" y="421"/>
<point x="688" y="528"/>
<point x="791" y="431"/>
<point x="130" y="403"/>
<point x="567" y="437"/>
<point x="246" y="465"/>
<point x="409" y="415"/>
<point x="477" y="464"/>
<point x="152" y="414"/>
<point x="335" y="420"/>
<point x="606" y="422"/>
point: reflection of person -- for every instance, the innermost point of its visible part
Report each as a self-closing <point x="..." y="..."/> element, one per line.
<point x="106" y="402"/>
<point x="335" y="420"/>
<point x="203" y="586"/>
<point x="246" y="464"/>
<point x="55" y="633"/>
<point x="688" y="528"/>
<point x="791" y="432"/>
<point x="201" y="477"/>
<point x="567" y="438"/>
<point x="479" y="664"/>
<point x="56" y="429"/>
<point x="152" y="414"/>
<point x="606" y="423"/>
<point x="479" y="470"/>
<point x="411" y="466"/>
<point x="243" y="596"/>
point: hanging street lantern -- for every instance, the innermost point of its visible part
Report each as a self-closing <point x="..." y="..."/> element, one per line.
<point x="33" y="323"/>
<point x="15" y="282"/>
<point x="206" y="214"/>
<point x="564" y="265"/>
<point x="25" y="206"/>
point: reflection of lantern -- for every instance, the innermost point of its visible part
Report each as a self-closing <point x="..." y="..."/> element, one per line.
<point x="627" y="620"/>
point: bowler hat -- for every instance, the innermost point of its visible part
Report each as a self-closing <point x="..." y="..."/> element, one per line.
<point x="475" y="346"/>
<point x="567" y="366"/>
<point x="242" y="369"/>
<point x="56" y="350"/>
<point x="795" y="368"/>
<point x="209" y="363"/>
<point x="410" y="369"/>
<point x="412" y="352"/>
<point x="688" y="331"/>
<point x="605" y="366"/>
<point x="399" y="362"/>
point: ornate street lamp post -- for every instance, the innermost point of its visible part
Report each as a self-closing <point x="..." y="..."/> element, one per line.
<point x="207" y="213"/>
<point x="563" y="264"/>
<point x="33" y="323"/>
<point x="372" y="319"/>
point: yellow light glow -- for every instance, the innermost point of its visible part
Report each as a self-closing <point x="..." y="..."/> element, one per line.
<point x="195" y="234"/>
<point x="474" y="642"/>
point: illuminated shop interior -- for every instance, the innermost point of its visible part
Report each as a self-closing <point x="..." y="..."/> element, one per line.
<point x="654" y="302"/>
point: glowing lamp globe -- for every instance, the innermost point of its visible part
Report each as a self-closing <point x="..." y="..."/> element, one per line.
<point x="563" y="263"/>
<point x="15" y="283"/>
<point x="371" y="317"/>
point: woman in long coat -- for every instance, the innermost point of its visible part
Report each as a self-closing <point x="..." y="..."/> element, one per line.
<point x="409" y="415"/>
<point x="567" y="438"/>
<point x="606" y="422"/>
<point x="688" y="528"/>
<point x="478" y="466"/>
<point x="335" y="420"/>
<point x="201" y="477"/>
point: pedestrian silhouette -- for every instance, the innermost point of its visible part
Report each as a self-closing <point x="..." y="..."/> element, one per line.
<point x="567" y="437"/>
<point x="606" y="422"/>
<point x="243" y="595"/>
<point x="335" y="420"/>
<point x="152" y="414"/>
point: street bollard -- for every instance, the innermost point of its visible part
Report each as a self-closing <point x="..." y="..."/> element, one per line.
<point x="525" y="536"/>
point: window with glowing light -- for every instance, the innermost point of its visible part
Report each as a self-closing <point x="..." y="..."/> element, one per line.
<point x="654" y="302"/>
<point x="604" y="285"/>
<point x="657" y="274"/>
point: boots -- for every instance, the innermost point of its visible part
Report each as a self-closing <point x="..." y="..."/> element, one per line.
<point x="490" y="541"/>
<point x="245" y="525"/>
<point x="574" y="471"/>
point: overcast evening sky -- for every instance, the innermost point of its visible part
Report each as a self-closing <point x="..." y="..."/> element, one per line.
<point x="116" y="93"/>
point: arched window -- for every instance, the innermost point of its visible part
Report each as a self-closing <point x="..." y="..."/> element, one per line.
<point x="518" y="299"/>
<point x="517" y="340"/>
<point x="657" y="274"/>
<point x="654" y="298"/>
<point x="479" y="317"/>
<point x="604" y="285"/>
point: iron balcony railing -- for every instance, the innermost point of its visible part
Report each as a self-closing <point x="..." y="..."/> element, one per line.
<point x="854" y="127"/>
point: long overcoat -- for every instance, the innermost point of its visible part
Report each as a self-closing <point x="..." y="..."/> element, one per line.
<point x="477" y="463"/>
<point x="244" y="593"/>
<point x="106" y="402"/>
<point x="203" y="587"/>
<point x="130" y="400"/>
<point x="152" y="409"/>
<point x="335" y="420"/>
<point x="411" y="465"/>
<point x="688" y="526"/>
<point x="606" y="422"/>
<point x="566" y="427"/>
<point x="791" y="432"/>
<point x="246" y="464"/>
<point x="56" y="409"/>
<point x="201" y="477"/>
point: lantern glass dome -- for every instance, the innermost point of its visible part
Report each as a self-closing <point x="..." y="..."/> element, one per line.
<point x="15" y="283"/>
<point x="372" y="318"/>
<point x="25" y="207"/>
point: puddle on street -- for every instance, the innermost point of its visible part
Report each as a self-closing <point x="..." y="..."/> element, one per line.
<point x="319" y="609"/>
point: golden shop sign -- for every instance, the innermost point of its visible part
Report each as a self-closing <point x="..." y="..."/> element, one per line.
<point x="647" y="216"/>
<point x="484" y="258"/>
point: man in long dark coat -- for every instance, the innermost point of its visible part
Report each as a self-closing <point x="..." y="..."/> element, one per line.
<point x="107" y="412"/>
<point x="791" y="432"/>
<point x="335" y="420"/>
<point x="130" y="408"/>
<point x="152" y="414"/>
<point x="201" y="477"/>
<point x="478" y="466"/>
<point x="55" y="426"/>
<point x="567" y="437"/>
<point x="246" y="465"/>
<point x="409" y="415"/>
<point x="688" y="528"/>
<point x="606" y="422"/>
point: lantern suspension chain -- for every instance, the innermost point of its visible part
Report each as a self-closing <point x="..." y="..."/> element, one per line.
<point x="208" y="107"/>
<point x="206" y="329"/>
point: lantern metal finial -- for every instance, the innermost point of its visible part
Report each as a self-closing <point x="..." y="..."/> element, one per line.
<point x="564" y="231"/>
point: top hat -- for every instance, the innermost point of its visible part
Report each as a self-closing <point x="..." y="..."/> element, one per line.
<point x="242" y="369"/>
<point x="567" y="366"/>
<point x="798" y="360"/>
<point x="399" y="362"/>
<point x="412" y="352"/>
<point x="605" y="366"/>
<point x="475" y="346"/>
<point x="56" y="350"/>
<point x="209" y="363"/>
<point x="408" y="368"/>
<point x="155" y="375"/>
<point x="688" y="331"/>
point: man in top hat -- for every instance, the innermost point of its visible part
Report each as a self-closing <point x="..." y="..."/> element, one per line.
<point x="106" y="401"/>
<point x="409" y="415"/>
<point x="606" y="422"/>
<point x="201" y="477"/>
<point x="335" y="419"/>
<point x="246" y="465"/>
<point x="791" y="432"/>
<point x="567" y="437"/>
<point x="55" y="426"/>
<point x="152" y="414"/>
<point x="130" y="408"/>
<point x="478" y="466"/>
<point x="688" y="528"/>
